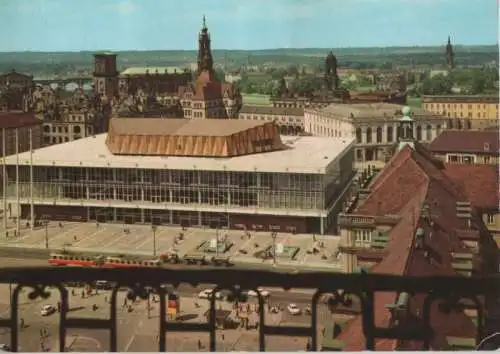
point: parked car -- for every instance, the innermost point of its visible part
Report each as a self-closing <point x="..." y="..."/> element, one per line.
<point x="47" y="310"/>
<point x="4" y="348"/>
<point x="263" y="293"/>
<point x="205" y="294"/>
<point x="293" y="309"/>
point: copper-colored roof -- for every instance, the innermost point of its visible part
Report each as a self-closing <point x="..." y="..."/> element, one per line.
<point x="191" y="137"/>
<point x="411" y="179"/>
<point x="12" y="120"/>
<point x="466" y="141"/>
<point x="480" y="183"/>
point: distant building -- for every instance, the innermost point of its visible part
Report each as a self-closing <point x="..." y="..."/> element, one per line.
<point x="19" y="123"/>
<point x="168" y="91"/>
<point x="289" y="120"/>
<point x="450" y="56"/>
<point x="465" y="112"/>
<point x="331" y="92"/>
<point x="16" y="79"/>
<point x="373" y="125"/>
<point x="466" y="147"/>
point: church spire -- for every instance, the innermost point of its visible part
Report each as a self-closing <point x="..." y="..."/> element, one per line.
<point x="449" y="55"/>
<point x="205" y="59"/>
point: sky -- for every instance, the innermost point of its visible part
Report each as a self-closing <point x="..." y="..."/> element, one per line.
<point x="74" y="25"/>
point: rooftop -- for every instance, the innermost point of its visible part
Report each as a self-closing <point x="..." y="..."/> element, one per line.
<point x="469" y="141"/>
<point x="180" y="126"/>
<point x="17" y="119"/>
<point x="302" y="155"/>
<point x="372" y="110"/>
<point x="152" y="70"/>
<point x="411" y="182"/>
<point x="269" y="110"/>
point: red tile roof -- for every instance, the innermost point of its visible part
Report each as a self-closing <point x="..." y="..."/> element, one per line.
<point x="479" y="182"/>
<point x="466" y="141"/>
<point x="207" y="88"/>
<point x="410" y="180"/>
<point x="13" y="120"/>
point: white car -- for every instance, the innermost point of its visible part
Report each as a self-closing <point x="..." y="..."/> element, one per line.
<point x="263" y="293"/>
<point x="293" y="309"/>
<point x="47" y="310"/>
<point x="4" y="348"/>
<point x="205" y="294"/>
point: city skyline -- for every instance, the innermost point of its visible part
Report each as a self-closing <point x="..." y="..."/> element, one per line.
<point x="68" y="25"/>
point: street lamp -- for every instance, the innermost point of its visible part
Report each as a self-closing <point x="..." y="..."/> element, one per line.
<point x="217" y="241"/>
<point x="273" y="236"/>
<point x="153" y="229"/>
<point x="46" y="224"/>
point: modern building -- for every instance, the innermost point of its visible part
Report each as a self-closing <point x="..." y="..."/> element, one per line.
<point x="19" y="126"/>
<point x="412" y="220"/>
<point x="465" y="112"/>
<point x="375" y="126"/>
<point x="289" y="120"/>
<point x="467" y="147"/>
<point x="212" y="173"/>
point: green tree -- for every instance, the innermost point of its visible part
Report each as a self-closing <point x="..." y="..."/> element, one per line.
<point x="437" y="85"/>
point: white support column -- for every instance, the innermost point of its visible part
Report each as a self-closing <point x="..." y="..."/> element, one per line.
<point x="18" y="206"/>
<point x="170" y="193"/>
<point x="4" y="168"/>
<point x="114" y="187"/>
<point x="199" y="219"/>
<point x="142" y="189"/>
<point x="321" y="226"/>
<point x="60" y="177"/>
<point x="87" y="188"/>
<point x="228" y="186"/>
<point x="199" y="186"/>
<point x="32" y="206"/>
<point x="114" y="215"/>
<point x="258" y="188"/>
<point x="170" y="217"/>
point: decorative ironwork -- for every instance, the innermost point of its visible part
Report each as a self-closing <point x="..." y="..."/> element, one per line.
<point x="450" y="291"/>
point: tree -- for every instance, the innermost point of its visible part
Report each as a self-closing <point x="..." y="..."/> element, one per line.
<point x="437" y="85"/>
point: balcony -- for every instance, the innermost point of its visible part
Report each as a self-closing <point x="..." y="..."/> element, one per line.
<point x="347" y="290"/>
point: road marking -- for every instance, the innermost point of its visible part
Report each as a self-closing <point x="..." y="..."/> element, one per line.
<point x="129" y="343"/>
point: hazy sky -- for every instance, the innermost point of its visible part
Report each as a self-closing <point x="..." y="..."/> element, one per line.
<point x="57" y="25"/>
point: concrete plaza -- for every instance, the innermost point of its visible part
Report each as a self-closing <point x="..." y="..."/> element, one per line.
<point x="142" y="240"/>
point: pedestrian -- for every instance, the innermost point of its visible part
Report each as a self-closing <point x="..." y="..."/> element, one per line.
<point x="105" y="299"/>
<point x="199" y="344"/>
<point x="73" y="292"/>
<point x="222" y="336"/>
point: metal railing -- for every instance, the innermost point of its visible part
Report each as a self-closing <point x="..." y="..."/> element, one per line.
<point x="453" y="294"/>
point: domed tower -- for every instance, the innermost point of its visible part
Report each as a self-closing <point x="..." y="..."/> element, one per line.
<point x="331" y="77"/>
<point x="205" y="59"/>
<point x="449" y="55"/>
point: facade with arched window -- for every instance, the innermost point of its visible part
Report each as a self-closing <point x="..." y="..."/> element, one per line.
<point x="375" y="126"/>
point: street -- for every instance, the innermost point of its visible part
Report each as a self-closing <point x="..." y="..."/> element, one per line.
<point x="137" y="332"/>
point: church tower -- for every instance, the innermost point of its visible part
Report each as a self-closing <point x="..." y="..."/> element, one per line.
<point x="105" y="76"/>
<point x="331" y="77"/>
<point x="449" y="55"/>
<point x="405" y="129"/>
<point x="205" y="59"/>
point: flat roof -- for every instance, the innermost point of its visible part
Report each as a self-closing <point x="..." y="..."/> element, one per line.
<point x="305" y="154"/>
<point x="371" y="110"/>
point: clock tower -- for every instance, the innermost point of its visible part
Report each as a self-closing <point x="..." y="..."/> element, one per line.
<point x="105" y="76"/>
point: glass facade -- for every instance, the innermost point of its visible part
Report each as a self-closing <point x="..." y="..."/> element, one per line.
<point x="205" y="188"/>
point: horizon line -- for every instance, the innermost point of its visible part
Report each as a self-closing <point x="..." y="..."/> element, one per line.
<point x="244" y="50"/>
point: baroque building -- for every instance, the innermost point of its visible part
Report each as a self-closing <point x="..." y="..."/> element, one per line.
<point x="392" y="89"/>
<point x="375" y="126"/>
<point x="169" y="91"/>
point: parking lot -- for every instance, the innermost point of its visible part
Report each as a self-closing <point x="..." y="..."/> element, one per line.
<point x="142" y="239"/>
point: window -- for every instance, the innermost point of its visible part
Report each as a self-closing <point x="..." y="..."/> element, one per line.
<point x="379" y="134"/>
<point x="368" y="135"/>
<point x="363" y="237"/>
<point x="358" y="135"/>
<point x="390" y="134"/>
<point x="490" y="219"/>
